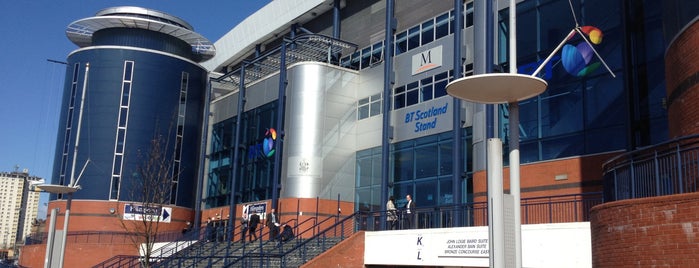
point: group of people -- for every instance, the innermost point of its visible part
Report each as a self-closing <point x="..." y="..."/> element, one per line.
<point x="250" y="223"/>
<point x="392" y="213"/>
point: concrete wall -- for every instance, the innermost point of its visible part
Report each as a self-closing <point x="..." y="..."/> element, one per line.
<point x="543" y="245"/>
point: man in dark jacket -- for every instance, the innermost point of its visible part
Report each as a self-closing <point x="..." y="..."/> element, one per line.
<point x="409" y="212"/>
<point x="252" y="226"/>
<point x="272" y="222"/>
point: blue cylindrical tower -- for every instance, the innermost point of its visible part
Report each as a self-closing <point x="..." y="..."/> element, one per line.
<point x="140" y="73"/>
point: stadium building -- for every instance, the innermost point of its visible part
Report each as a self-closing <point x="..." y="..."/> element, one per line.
<point x="326" y="108"/>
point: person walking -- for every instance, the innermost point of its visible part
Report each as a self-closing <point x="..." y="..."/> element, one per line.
<point x="409" y="212"/>
<point x="252" y="225"/>
<point x="273" y="224"/>
<point x="244" y="225"/>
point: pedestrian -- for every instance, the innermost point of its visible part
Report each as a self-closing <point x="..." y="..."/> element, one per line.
<point x="409" y="212"/>
<point x="244" y="227"/>
<point x="252" y="225"/>
<point x="273" y="224"/>
<point x="391" y="215"/>
<point x="210" y="231"/>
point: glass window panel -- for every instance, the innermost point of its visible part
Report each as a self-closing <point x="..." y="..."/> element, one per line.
<point x="366" y="58"/>
<point x="399" y="101"/>
<point x="363" y="198"/>
<point x="362" y="112"/>
<point x="412" y="97"/>
<point x="401" y="42"/>
<point x="562" y="112"/>
<point x="72" y="94"/>
<point x="128" y="68"/>
<point x="404" y="165"/>
<point x="363" y="101"/>
<point x="562" y="146"/>
<point x="400" y="190"/>
<point x="426" y="161"/>
<point x="426" y="92"/>
<point x="529" y="151"/>
<point x="440" y="88"/>
<point x="442" y="27"/>
<point x="446" y="158"/>
<point x="375" y="108"/>
<point x="345" y="62"/>
<point x="121" y="133"/>
<point x="364" y="170"/>
<point x="122" y="116"/>
<point x="527" y="33"/>
<point x="427" y="195"/>
<point x="117" y="165"/>
<point x="427" y="32"/>
<point x="412" y="94"/>
<point x="468" y="11"/>
<point x="446" y="192"/>
<point x="377" y="53"/>
<point x="76" y="68"/>
<point x="376" y="170"/>
<point x="354" y="63"/>
<point x="115" y="188"/>
<point x="125" y="94"/>
<point x="605" y="139"/>
<point x="605" y="103"/>
<point x="414" y="37"/>
<point x="451" y="22"/>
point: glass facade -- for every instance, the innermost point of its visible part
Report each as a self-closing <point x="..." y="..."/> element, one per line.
<point x="421" y="167"/>
<point x="255" y="178"/>
<point x="576" y="115"/>
<point x="580" y="115"/>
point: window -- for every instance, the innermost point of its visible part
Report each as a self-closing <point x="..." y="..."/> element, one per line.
<point x="420" y="91"/>
<point x="427" y="32"/>
<point x="369" y="106"/>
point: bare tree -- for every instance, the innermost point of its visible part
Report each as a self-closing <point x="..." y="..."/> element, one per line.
<point x="153" y="181"/>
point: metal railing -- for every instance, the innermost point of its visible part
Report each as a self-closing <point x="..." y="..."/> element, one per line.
<point x="667" y="168"/>
<point x="549" y="209"/>
<point x="322" y="234"/>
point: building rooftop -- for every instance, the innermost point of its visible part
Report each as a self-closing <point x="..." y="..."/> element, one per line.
<point x="80" y="32"/>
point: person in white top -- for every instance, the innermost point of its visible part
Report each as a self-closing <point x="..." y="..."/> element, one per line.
<point x="391" y="215"/>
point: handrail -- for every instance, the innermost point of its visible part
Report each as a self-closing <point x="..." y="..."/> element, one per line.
<point x="548" y="209"/>
<point x="667" y="168"/>
<point x="262" y="245"/>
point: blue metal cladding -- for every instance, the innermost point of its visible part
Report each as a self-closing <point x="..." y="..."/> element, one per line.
<point x="153" y="110"/>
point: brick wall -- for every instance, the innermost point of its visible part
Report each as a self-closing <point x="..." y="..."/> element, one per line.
<point x="347" y="254"/>
<point x="646" y="232"/>
<point x="682" y="78"/>
<point x="95" y="215"/>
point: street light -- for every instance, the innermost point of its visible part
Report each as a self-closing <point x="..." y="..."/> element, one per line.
<point x="58" y="189"/>
<point x="495" y="88"/>
<point x="69" y="189"/>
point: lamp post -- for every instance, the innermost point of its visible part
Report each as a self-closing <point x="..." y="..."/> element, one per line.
<point x="59" y="189"/>
<point x="496" y="88"/>
<point x="73" y="186"/>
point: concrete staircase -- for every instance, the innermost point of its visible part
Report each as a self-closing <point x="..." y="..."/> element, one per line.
<point x="293" y="253"/>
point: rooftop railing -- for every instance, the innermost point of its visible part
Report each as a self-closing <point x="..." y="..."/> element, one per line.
<point x="667" y="168"/>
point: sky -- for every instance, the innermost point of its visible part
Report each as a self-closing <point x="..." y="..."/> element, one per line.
<point x="31" y="86"/>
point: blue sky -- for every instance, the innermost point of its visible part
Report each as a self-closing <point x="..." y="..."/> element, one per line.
<point x="31" y="87"/>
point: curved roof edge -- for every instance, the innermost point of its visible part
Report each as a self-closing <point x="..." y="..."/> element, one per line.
<point x="80" y="32"/>
<point x="266" y="23"/>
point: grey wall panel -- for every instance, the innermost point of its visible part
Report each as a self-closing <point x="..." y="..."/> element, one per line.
<point x="320" y="129"/>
